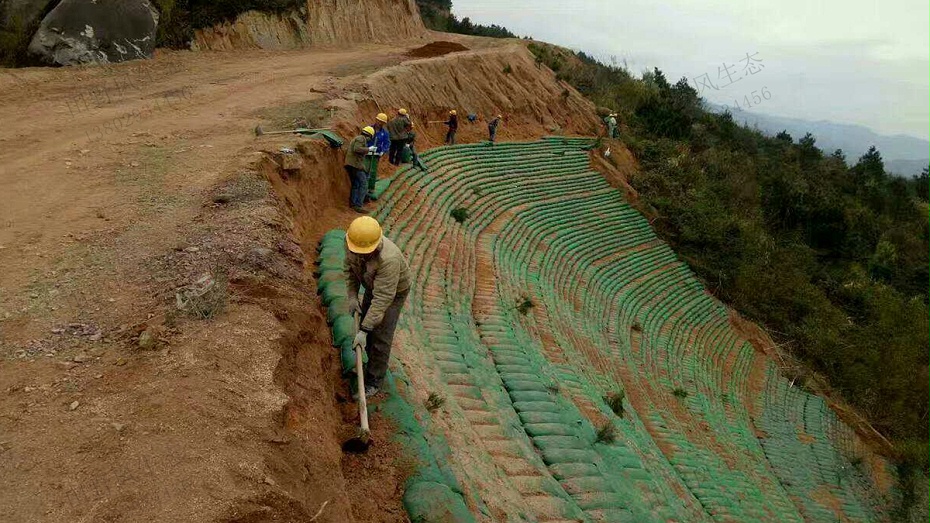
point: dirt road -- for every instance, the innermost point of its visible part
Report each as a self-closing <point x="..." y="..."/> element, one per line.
<point x="120" y="185"/>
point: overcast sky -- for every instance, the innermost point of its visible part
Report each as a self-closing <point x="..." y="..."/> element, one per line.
<point x="848" y="61"/>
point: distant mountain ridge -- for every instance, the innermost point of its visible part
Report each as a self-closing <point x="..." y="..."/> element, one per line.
<point x="903" y="155"/>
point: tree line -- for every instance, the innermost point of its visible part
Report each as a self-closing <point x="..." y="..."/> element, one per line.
<point x="830" y="254"/>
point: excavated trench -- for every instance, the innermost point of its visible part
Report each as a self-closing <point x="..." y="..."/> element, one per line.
<point x="307" y="456"/>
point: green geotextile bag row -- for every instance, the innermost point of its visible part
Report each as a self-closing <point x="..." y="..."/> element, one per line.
<point x="331" y="286"/>
<point x="381" y="186"/>
<point x="432" y="494"/>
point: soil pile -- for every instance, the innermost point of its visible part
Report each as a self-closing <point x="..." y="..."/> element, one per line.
<point x="436" y="49"/>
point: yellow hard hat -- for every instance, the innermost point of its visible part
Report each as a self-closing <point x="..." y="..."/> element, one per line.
<point x="381" y="117"/>
<point x="364" y="235"/>
<point x="402" y="111"/>
<point x="369" y="130"/>
<point x="452" y="112"/>
<point x="500" y="116"/>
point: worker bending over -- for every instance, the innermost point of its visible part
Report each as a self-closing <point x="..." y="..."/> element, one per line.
<point x="356" y="169"/>
<point x="375" y="262"/>
<point x="453" y="123"/>
<point x="382" y="143"/>
<point x="492" y="128"/>
<point x="398" y="131"/>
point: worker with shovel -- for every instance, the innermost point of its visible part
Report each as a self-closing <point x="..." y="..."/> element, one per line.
<point x="382" y="143"/>
<point x="356" y="169"/>
<point x="453" y="123"/>
<point x="377" y="263"/>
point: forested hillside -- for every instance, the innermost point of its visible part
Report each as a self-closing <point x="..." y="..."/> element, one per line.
<point x="831" y="258"/>
<point x="437" y="15"/>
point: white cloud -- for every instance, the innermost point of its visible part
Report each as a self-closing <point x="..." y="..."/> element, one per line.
<point x="854" y="62"/>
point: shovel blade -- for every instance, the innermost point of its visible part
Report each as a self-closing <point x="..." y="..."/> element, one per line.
<point x="358" y="444"/>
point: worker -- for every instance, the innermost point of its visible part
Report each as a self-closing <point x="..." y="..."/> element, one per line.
<point x="453" y="123"/>
<point x="355" y="167"/>
<point x="612" y="125"/>
<point x="398" y="135"/>
<point x="492" y="127"/>
<point x="382" y="142"/>
<point x="376" y="263"/>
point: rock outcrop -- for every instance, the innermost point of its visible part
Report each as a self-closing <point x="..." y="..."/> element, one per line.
<point x="101" y="31"/>
<point x="318" y="22"/>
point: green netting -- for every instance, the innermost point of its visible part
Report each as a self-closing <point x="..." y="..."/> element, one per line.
<point x="429" y="502"/>
<point x="613" y="309"/>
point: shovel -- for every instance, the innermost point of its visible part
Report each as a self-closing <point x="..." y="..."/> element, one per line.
<point x="362" y="440"/>
<point x="300" y="130"/>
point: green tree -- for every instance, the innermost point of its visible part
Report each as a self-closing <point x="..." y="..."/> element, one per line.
<point x="921" y="186"/>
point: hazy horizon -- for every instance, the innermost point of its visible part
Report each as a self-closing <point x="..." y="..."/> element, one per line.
<point x="864" y="64"/>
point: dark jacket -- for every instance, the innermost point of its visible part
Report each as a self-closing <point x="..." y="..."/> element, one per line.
<point x="397" y="128"/>
<point x="384" y="275"/>
<point x="453" y="122"/>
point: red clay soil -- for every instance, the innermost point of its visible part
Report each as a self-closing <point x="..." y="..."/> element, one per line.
<point x="436" y="49"/>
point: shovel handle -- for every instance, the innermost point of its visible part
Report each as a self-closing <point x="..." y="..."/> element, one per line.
<point x="360" y="376"/>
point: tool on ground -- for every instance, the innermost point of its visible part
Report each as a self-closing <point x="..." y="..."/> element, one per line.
<point x="300" y="130"/>
<point x="362" y="440"/>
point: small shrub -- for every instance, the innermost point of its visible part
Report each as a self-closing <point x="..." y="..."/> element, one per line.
<point x="525" y="305"/>
<point x="508" y="69"/>
<point x="460" y="214"/>
<point x="680" y="393"/>
<point x="615" y="402"/>
<point x="434" y="402"/>
<point x="206" y="298"/>
<point x="605" y="434"/>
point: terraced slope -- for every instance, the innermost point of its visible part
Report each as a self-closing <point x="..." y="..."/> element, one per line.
<point x="709" y="430"/>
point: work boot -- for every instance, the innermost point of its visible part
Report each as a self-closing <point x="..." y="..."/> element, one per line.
<point x="359" y="210"/>
<point x="370" y="391"/>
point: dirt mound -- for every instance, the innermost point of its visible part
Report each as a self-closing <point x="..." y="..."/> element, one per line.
<point x="486" y="82"/>
<point x="436" y="49"/>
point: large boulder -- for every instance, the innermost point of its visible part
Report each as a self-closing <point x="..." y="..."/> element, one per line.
<point x="96" y="31"/>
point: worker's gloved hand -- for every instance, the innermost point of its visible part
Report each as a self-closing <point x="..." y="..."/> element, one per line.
<point x="361" y="340"/>
<point x="373" y="149"/>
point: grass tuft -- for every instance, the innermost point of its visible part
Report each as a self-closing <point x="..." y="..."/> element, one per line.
<point x="615" y="402"/>
<point x="460" y="214"/>
<point x="206" y="298"/>
<point x="434" y="402"/>
<point x="525" y="305"/>
<point x="605" y="434"/>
